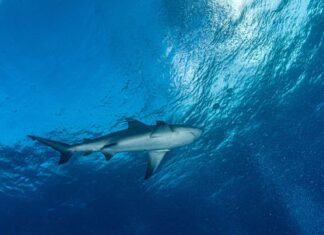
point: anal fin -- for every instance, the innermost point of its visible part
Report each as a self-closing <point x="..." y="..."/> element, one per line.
<point x="64" y="157"/>
<point x="109" y="145"/>
<point x="107" y="155"/>
<point x="87" y="153"/>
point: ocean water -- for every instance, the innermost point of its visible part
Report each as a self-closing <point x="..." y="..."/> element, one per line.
<point x="249" y="73"/>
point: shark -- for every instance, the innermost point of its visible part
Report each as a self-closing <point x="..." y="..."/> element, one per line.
<point x="156" y="140"/>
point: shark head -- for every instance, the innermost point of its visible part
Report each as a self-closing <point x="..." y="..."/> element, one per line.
<point x="187" y="134"/>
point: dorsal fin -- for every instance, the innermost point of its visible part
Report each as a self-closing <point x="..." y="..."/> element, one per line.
<point x="161" y="128"/>
<point x="133" y="123"/>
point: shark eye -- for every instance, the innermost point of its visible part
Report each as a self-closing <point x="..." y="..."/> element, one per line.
<point x="193" y="134"/>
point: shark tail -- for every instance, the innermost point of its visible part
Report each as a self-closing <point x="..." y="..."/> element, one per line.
<point x="64" y="149"/>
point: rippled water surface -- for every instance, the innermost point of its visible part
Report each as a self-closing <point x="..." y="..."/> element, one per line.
<point x="249" y="73"/>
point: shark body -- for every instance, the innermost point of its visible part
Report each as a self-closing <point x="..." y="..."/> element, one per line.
<point x="157" y="140"/>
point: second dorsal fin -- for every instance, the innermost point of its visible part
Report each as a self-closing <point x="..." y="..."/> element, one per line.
<point x="160" y="123"/>
<point x="133" y="123"/>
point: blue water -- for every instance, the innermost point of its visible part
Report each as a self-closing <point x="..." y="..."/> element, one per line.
<point x="250" y="73"/>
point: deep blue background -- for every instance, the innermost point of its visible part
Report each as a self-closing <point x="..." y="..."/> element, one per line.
<point x="250" y="73"/>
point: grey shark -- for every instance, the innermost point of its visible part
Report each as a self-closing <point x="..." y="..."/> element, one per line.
<point x="157" y="140"/>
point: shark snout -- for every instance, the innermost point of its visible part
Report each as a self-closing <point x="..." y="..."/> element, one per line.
<point x="196" y="132"/>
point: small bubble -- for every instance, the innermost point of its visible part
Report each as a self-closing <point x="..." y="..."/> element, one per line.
<point x="229" y="91"/>
<point x="216" y="106"/>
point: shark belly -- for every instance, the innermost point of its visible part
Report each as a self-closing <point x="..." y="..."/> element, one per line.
<point x="141" y="143"/>
<point x="92" y="146"/>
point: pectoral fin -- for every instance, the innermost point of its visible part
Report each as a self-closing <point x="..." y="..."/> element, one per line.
<point x="154" y="160"/>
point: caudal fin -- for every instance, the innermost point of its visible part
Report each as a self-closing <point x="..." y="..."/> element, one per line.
<point x="63" y="148"/>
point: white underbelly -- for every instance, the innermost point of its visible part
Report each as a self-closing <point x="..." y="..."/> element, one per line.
<point x="143" y="143"/>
